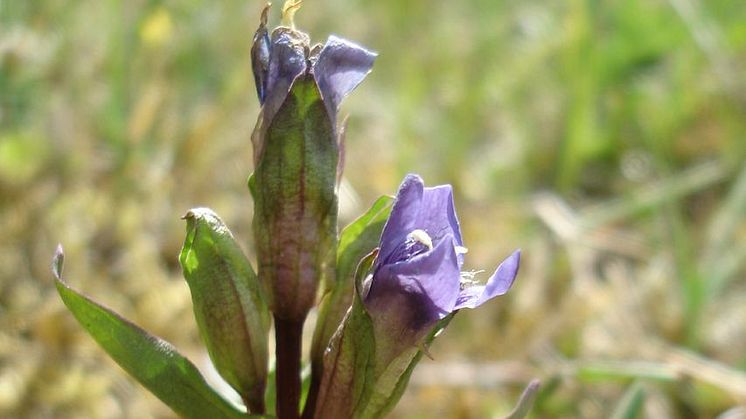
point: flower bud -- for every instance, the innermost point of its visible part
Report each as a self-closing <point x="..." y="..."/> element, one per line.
<point x="296" y="153"/>
<point x="229" y="305"/>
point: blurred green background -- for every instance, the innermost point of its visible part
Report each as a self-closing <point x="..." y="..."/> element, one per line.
<point x="604" y="138"/>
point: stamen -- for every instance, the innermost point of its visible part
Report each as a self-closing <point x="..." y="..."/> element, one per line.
<point x="468" y="278"/>
<point x="421" y="236"/>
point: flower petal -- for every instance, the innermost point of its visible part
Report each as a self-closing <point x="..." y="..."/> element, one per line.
<point x="287" y="60"/>
<point x="437" y="215"/>
<point x="498" y="284"/>
<point x="260" y="48"/>
<point x="340" y="67"/>
<point x="403" y="218"/>
<point x="423" y="289"/>
<point x="419" y="208"/>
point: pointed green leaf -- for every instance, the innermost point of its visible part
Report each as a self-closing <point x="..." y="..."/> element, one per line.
<point x="356" y="240"/>
<point x="360" y="237"/>
<point x="152" y="361"/>
<point x="229" y="305"/>
<point x="348" y="364"/>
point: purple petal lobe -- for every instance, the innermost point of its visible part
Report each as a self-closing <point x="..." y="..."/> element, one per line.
<point x="340" y="67"/>
<point x="418" y="208"/>
<point x="428" y="282"/>
<point x="403" y="216"/>
<point x="437" y="215"/>
<point x="287" y="60"/>
<point x="260" y="48"/>
<point x="498" y="284"/>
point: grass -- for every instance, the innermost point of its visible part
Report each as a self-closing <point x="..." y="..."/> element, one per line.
<point x="603" y="138"/>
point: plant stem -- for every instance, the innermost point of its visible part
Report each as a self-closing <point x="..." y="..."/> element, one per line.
<point x="288" y="337"/>
<point x="254" y="408"/>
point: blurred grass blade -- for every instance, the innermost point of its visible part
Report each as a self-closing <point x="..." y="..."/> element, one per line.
<point x="621" y="370"/>
<point x="526" y="401"/>
<point x="150" y="360"/>
<point x="692" y="180"/>
<point x="738" y="412"/>
<point x="721" y="259"/>
<point x="630" y="406"/>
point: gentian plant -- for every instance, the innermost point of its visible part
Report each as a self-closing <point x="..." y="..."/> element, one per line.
<point x="384" y="287"/>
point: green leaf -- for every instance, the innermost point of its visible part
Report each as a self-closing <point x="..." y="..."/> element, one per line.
<point x="356" y="240"/>
<point x="360" y="237"/>
<point x="152" y="361"/>
<point x="229" y="305"/>
<point x="349" y="363"/>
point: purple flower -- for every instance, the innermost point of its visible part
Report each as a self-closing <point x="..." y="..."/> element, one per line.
<point x="278" y="59"/>
<point x="417" y="278"/>
<point x="415" y="282"/>
<point x="297" y="155"/>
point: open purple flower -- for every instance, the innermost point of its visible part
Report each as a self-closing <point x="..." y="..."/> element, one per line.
<point x="414" y="283"/>
<point x="417" y="278"/>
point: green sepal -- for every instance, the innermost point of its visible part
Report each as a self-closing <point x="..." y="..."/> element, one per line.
<point x="349" y="361"/>
<point x="229" y="305"/>
<point x="152" y="361"/>
<point x="295" y="201"/>
<point x="391" y="380"/>
<point x="358" y="239"/>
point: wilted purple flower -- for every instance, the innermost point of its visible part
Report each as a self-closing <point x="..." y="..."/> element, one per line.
<point x="282" y="56"/>
<point x="417" y="278"/>
<point x="296" y="156"/>
<point x="338" y="66"/>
